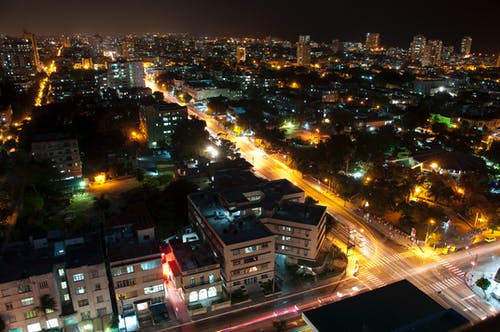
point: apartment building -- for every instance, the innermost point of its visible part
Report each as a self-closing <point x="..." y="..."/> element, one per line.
<point x="158" y="122"/>
<point x="299" y="228"/>
<point x="191" y="270"/>
<point x="62" y="151"/>
<point x="71" y="272"/>
<point x="229" y="221"/>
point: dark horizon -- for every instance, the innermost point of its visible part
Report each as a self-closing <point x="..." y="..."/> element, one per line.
<point x="323" y="20"/>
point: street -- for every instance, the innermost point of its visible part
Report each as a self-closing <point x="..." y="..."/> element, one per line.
<point x="381" y="261"/>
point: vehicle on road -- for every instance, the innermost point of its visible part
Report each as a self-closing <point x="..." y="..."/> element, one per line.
<point x="490" y="239"/>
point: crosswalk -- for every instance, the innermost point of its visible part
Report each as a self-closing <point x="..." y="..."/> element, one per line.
<point x="452" y="268"/>
<point x="372" y="281"/>
<point x="385" y="260"/>
<point x="443" y="284"/>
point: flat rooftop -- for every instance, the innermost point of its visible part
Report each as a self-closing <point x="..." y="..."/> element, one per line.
<point x="21" y="260"/>
<point x="396" y="307"/>
<point x="192" y="255"/>
<point x="299" y="212"/>
<point x="230" y="229"/>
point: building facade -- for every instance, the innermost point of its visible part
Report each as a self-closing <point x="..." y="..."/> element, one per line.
<point x="62" y="151"/>
<point x="300" y="230"/>
<point x="372" y="41"/>
<point x="191" y="270"/>
<point x="466" y="46"/>
<point x="304" y="51"/>
<point x="159" y="121"/>
<point x="233" y="222"/>
<point x="123" y="75"/>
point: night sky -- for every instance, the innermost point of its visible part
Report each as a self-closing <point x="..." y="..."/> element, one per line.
<point x="397" y="21"/>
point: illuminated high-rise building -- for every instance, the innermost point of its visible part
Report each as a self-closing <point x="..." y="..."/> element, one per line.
<point x="336" y="45"/>
<point x="31" y="38"/>
<point x="16" y="58"/>
<point x="436" y="49"/>
<point x="127" y="48"/>
<point x="417" y="47"/>
<point x="447" y="52"/>
<point x="498" y="60"/>
<point x="372" y="41"/>
<point x="241" y="54"/>
<point x="123" y="75"/>
<point x="304" y="50"/>
<point x="465" y="46"/>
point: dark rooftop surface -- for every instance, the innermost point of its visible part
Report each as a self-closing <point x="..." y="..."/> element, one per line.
<point x="21" y="260"/>
<point x="396" y="307"/>
<point x="299" y="212"/>
<point x="52" y="137"/>
<point x="216" y="206"/>
<point x="192" y="255"/>
<point x="128" y="248"/>
<point x="230" y="229"/>
<point x="136" y="214"/>
<point x="452" y="160"/>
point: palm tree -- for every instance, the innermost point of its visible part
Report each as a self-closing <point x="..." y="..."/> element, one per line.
<point x="47" y="304"/>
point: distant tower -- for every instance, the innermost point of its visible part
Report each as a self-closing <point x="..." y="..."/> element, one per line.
<point x="36" y="58"/>
<point x="417" y="47"/>
<point x="241" y="54"/>
<point x="436" y="49"/>
<point x="372" y="41"/>
<point x="465" y="46"/>
<point x="336" y="45"/>
<point x="447" y="52"/>
<point x="304" y="51"/>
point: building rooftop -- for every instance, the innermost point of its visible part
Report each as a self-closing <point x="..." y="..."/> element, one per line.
<point x="299" y="212"/>
<point x="21" y="260"/>
<point x="450" y="160"/>
<point x="192" y="255"/>
<point x="229" y="228"/>
<point x="52" y="137"/>
<point x="129" y="248"/>
<point x="135" y="214"/>
<point x="396" y="307"/>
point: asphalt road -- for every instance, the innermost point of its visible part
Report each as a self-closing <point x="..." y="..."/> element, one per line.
<point x="380" y="260"/>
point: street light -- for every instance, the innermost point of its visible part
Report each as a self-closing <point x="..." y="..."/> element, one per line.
<point x="431" y="222"/>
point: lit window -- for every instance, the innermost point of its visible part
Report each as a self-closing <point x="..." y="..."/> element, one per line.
<point x="150" y="265"/>
<point x="23" y="289"/>
<point x="30" y="314"/>
<point x="212" y="291"/>
<point x="27" y="301"/>
<point x="203" y="294"/>
<point x="78" y="277"/>
<point x="64" y="285"/>
<point x="153" y="289"/>
<point x="51" y="323"/>
<point x="142" y="306"/>
<point x="80" y="290"/>
<point x="193" y="296"/>
<point x="34" y="327"/>
<point x="66" y="297"/>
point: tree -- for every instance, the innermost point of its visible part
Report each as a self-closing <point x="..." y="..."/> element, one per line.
<point x="47" y="304"/>
<point x="484" y="284"/>
<point x="190" y="138"/>
<point x="2" y="325"/>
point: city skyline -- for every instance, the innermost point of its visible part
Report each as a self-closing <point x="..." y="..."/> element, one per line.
<point x="321" y="20"/>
